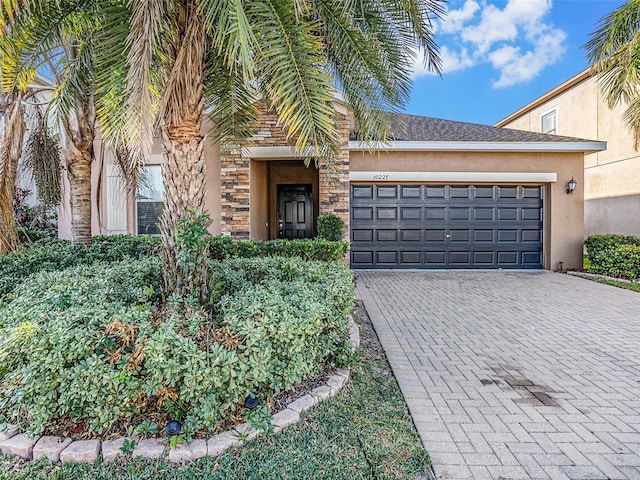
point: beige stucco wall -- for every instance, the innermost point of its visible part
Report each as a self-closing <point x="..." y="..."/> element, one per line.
<point x="564" y="214"/>
<point x="582" y="112"/>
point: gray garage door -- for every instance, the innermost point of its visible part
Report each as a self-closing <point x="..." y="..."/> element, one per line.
<point x="446" y="226"/>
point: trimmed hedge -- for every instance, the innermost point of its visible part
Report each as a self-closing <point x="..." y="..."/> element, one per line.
<point x="84" y="346"/>
<point x="614" y="255"/>
<point x="620" y="261"/>
<point x="223" y="248"/>
<point x="49" y="255"/>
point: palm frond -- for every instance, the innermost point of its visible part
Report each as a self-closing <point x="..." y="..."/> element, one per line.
<point x="231" y="104"/>
<point x="293" y="77"/>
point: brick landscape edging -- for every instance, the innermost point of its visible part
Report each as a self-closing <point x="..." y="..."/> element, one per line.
<point x="60" y="449"/>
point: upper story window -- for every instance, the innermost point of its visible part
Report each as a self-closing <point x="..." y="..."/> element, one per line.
<point x="549" y="122"/>
<point x="150" y="200"/>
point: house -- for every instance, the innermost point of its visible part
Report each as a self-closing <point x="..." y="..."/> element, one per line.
<point x="443" y="194"/>
<point x="577" y="108"/>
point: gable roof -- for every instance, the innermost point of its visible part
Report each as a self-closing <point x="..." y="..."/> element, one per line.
<point x="413" y="132"/>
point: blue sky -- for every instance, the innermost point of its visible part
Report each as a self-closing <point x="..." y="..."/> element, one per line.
<point x="498" y="55"/>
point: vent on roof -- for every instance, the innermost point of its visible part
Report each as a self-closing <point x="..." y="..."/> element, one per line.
<point x="550" y="122"/>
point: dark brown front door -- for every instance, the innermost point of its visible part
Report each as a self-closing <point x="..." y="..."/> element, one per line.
<point x="295" y="219"/>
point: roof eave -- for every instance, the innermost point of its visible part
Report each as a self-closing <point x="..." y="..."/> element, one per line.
<point x="457" y="146"/>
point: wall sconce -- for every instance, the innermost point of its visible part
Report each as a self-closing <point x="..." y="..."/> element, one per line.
<point x="571" y="186"/>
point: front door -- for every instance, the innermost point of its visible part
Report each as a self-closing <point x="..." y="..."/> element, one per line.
<point x="295" y="218"/>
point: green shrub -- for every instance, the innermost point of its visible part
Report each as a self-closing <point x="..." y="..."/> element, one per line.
<point x="620" y="261"/>
<point x="614" y="255"/>
<point x="48" y="255"/>
<point x="330" y="227"/>
<point x="598" y="243"/>
<point x="223" y="247"/>
<point x="86" y="345"/>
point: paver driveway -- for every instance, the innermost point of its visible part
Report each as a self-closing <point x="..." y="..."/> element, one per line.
<point x="514" y="374"/>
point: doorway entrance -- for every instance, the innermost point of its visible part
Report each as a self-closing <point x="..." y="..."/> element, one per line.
<point x="295" y="211"/>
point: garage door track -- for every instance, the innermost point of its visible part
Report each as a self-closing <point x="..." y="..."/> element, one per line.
<point x="514" y="374"/>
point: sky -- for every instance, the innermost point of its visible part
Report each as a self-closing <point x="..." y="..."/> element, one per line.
<point x="499" y="55"/>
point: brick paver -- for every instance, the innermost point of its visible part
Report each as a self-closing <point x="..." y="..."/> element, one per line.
<point x="514" y="374"/>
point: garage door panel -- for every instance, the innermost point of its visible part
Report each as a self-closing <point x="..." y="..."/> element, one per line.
<point x="387" y="236"/>
<point x="362" y="235"/>
<point x="411" y="258"/>
<point x="531" y="258"/>
<point x="362" y="213"/>
<point x="362" y="192"/>
<point x="411" y="235"/>
<point x="435" y="213"/>
<point x="459" y="235"/>
<point x="390" y="258"/>
<point x="460" y="259"/>
<point x="484" y="214"/>
<point x="483" y="236"/>
<point x="435" y="258"/>
<point x="446" y="226"/>
<point x="411" y="213"/>
<point x="507" y="213"/>
<point x="457" y="213"/>
<point x="508" y="258"/>
<point x="483" y="258"/>
<point x="410" y="191"/>
<point x="507" y="236"/>
<point x="435" y="235"/>
<point x="387" y="192"/>
<point x="532" y="236"/>
<point x="386" y="213"/>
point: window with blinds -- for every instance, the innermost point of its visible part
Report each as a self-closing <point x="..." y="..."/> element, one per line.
<point x="550" y="122"/>
<point x="150" y="200"/>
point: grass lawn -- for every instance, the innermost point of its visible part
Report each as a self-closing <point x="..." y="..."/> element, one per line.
<point x="626" y="285"/>
<point x="365" y="432"/>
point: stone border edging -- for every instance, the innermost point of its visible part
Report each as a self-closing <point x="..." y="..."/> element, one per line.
<point x="61" y="449"/>
<point x="576" y="273"/>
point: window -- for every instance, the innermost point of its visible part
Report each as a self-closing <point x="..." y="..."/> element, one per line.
<point x="150" y="200"/>
<point x="550" y="122"/>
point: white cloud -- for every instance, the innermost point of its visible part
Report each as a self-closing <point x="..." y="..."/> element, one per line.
<point x="517" y="67"/>
<point x="515" y="40"/>
<point x="452" y="61"/>
<point x="455" y="19"/>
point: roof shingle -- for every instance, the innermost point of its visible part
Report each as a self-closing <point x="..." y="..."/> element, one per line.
<point x="427" y="129"/>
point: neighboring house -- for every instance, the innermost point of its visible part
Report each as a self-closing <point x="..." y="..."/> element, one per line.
<point x="611" y="178"/>
<point x="442" y="195"/>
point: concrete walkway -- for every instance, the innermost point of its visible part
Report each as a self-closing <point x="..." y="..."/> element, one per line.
<point x="513" y="375"/>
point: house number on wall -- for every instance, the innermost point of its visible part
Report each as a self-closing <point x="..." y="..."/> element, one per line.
<point x="381" y="176"/>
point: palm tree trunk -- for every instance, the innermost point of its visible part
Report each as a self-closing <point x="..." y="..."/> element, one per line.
<point x="79" y="175"/>
<point x="78" y="156"/>
<point x="183" y="177"/>
<point x="10" y="153"/>
<point x="183" y="173"/>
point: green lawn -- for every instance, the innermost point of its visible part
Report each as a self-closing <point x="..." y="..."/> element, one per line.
<point x="626" y="285"/>
<point x="365" y="432"/>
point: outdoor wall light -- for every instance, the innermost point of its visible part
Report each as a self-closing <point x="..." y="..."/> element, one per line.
<point x="571" y="186"/>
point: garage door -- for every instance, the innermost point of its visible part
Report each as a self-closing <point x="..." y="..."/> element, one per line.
<point x="446" y="226"/>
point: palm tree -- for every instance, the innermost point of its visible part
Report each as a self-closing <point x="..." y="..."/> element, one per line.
<point x="225" y="55"/>
<point x="614" y="54"/>
<point x="13" y="129"/>
<point x="58" y="40"/>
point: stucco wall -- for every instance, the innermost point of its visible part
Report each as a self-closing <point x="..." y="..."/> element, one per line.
<point x="612" y="173"/>
<point x="564" y="214"/>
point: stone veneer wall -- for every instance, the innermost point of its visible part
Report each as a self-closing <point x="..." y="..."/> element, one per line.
<point x="235" y="182"/>
<point x="334" y="186"/>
